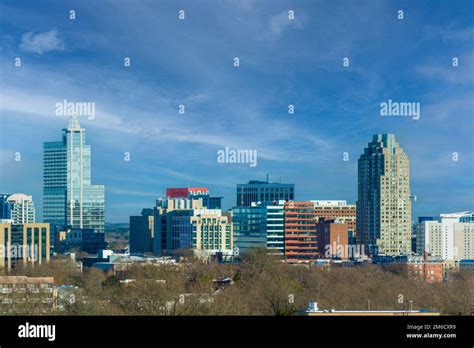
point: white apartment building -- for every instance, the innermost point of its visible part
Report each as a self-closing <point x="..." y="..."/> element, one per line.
<point x="452" y="238"/>
<point x="22" y="208"/>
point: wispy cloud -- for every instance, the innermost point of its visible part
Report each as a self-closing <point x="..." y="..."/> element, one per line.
<point x="42" y="42"/>
<point x="280" y="22"/>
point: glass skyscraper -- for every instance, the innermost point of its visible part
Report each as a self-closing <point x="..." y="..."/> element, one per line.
<point x="69" y="198"/>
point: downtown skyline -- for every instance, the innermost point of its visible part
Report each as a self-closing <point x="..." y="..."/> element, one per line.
<point x="336" y="108"/>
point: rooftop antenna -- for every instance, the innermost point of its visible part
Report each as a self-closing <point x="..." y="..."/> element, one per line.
<point x="267" y="178"/>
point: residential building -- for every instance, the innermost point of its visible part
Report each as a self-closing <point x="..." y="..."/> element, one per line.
<point x="69" y="197"/>
<point x="22" y="209"/>
<point x="384" y="205"/>
<point x="263" y="191"/>
<point x="426" y="268"/>
<point x="26" y="295"/>
<point x="26" y="243"/>
<point x="452" y="238"/>
<point x="300" y="233"/>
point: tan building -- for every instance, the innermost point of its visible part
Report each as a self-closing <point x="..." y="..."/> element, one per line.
<point x="383" y="205"/>
<point x="26" y="243"/>
<point x="26" y="295"/>
<point x="464" y="241"/>
<point x="331" y="210"/>
<point x="212" y="232"/>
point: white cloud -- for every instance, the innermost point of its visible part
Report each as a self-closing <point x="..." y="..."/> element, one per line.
<point x="42" y="42"/>
<point x="445" y="72"/>
<point x="280" y="22"/>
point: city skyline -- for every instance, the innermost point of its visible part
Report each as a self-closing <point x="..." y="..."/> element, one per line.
<point x="282" y="63"/>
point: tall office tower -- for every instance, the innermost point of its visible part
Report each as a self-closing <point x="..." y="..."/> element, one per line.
<point x="5" y="207"/>
<point x="263" y="191"/>
<point x="69" y="198"/>
<point x="22" y="209"/>
<point x="383" y="205"/>
<point x="452" y="238"/>
<point x="300" y="233"/>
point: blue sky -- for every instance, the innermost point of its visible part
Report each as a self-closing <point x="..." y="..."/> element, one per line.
<point x="282" y="62"/>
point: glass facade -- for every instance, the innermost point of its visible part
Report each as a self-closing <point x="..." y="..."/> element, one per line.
<point x="69" y="198"/>
<point x="5" y="207"/>
<point x="249" y="228"/>
<point x="263" y="191"/>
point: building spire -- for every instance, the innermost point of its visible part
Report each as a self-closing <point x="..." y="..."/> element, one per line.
<point x="74" y="122"/>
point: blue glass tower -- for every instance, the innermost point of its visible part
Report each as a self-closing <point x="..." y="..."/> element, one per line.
<point x="69" y="198"/>
<point x="5" y="207"/>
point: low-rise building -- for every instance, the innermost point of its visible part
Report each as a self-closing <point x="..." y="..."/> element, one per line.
<point x="333" y="239"/>
<point x="84" y="239"/>
<point x="25" y="243"/>
<point x="26" y="295"/>
<point x="424" y="268"/>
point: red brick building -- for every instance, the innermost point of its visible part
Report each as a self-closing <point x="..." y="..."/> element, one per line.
<point x="330" y="210"/>
<point x="426" y="269"/>
<point x="333" y="239"/>
<point x="300" y="233"/>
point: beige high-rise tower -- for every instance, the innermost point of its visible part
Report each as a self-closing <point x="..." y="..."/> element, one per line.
<point x="383" y="205"/>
